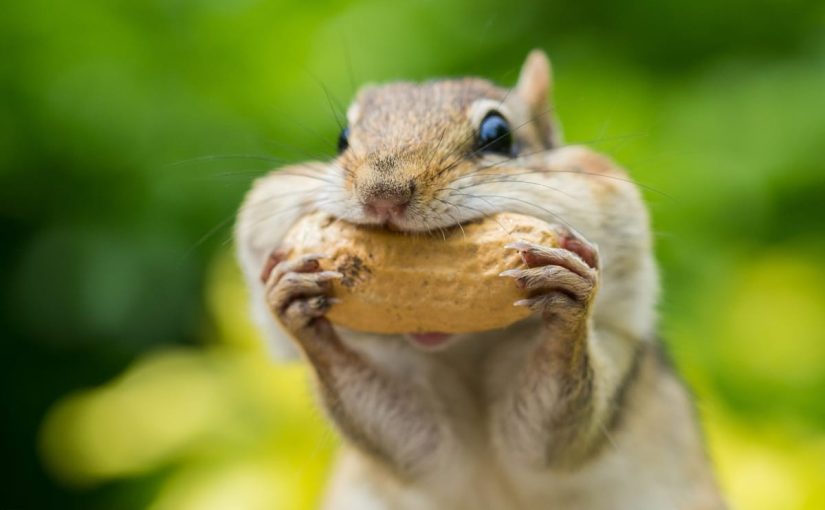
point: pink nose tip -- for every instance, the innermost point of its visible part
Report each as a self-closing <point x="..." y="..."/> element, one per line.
<point x="385" y="208"/>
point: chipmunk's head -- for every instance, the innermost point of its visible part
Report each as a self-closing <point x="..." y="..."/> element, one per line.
<point x="407" y="145"/>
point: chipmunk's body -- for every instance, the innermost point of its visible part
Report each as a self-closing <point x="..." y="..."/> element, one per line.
<point x="571" y="409"/>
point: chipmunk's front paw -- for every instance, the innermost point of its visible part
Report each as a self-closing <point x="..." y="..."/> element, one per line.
<point x="298" y="292"/>
<point x="560" y="282"/>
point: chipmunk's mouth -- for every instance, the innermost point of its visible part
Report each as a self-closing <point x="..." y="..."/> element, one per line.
<point x="437" y="230"/>
<point x="430" y="340"/>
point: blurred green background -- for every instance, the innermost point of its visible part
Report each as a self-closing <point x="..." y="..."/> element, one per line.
<point x="129" y="131"/>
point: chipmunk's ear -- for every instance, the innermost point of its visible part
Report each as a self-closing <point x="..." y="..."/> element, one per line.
<point x="534" y="87"/>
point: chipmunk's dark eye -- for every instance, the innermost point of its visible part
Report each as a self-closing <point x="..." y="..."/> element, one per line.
<point x="494" y="135"/>
<point x="343" y="140"/>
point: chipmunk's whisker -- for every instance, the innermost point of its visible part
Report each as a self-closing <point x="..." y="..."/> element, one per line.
<point x="515" y="199"/>
<point x="492" y="181"/>
<point x="318" y="177"/>
<point x="225" y="157"/>
<point x="205" y="237"/>
<point x="434" y="150"/>
<point x="455" y="220"/>
<point x="483" y="214"/>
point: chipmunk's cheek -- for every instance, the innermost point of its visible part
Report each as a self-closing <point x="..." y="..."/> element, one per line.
<point x="431" y="340"/>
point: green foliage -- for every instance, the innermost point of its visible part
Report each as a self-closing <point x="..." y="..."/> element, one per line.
<point x="130" y="130"/>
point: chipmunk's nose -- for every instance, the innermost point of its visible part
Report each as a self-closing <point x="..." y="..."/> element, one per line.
<point x="387" y="202"/>
<point x="385" y="209"/>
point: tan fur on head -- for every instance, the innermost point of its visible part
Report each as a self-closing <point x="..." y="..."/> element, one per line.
<point x="409" y="141"/>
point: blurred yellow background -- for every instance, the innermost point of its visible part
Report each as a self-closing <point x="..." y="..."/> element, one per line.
<point x="131" y="376"/>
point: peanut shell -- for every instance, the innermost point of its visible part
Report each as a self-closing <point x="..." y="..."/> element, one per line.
<point x="415" y="282"/>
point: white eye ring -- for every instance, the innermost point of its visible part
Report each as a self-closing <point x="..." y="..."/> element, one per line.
<point x="353" y="114"/>
<point x="479" y="109"/>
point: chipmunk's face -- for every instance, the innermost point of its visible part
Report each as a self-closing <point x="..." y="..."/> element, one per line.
<point x="409" y="150"/>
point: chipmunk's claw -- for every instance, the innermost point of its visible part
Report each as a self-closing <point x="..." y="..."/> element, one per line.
<point x="556" y="277"/>
<point x="299" y="292"/>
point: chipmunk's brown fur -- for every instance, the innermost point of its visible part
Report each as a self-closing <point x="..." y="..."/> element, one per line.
<point x="571" y="409"/>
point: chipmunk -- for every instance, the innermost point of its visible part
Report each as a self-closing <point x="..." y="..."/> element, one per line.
<point x="573" y="408"/>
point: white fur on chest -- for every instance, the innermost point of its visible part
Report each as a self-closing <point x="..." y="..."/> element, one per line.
<point x="652" y="461"/>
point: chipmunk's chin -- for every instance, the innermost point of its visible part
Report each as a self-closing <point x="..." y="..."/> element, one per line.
<point x="393" y="225"/>
<point x="409" y="225"/>
<point x="430" y="341"/>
